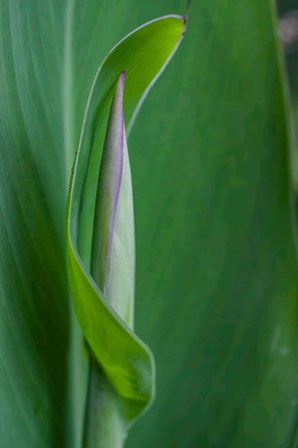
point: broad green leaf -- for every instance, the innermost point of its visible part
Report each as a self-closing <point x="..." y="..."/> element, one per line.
<point x="216" y="271"/>
<point x="125" y="361"/>
<point x="219" y="246"/>
<point x="34" y="327"/>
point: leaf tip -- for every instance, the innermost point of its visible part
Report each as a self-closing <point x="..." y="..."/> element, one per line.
<point x="184" y="25"/>
<point x="123" y="76"/>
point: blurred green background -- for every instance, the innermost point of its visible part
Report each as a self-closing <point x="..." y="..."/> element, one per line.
<point x="217" y="271"/>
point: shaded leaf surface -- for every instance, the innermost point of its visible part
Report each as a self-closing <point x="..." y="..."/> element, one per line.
<point x="33" y="298"/>
<point x="226" y="345"/>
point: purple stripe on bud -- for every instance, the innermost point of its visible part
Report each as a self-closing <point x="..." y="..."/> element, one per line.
<point x="109" y="185"/>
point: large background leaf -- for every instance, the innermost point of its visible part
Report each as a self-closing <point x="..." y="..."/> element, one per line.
<point x="34" y="313"/>
<point x="223" y="231"/>
<point x="217" y="276"/>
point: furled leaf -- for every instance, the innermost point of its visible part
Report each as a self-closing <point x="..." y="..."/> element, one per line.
<point x="113" y="245"/>
<point x="112" y="268"/>
<point x="124" y="360"/>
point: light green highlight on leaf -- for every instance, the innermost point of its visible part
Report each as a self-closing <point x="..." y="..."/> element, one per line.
<point x="125" y="360"/>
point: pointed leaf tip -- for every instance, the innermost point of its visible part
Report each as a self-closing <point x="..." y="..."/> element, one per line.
<point x="184" y="25"/>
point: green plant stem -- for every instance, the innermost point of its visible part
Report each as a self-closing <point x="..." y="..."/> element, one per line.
<point x="104" y="427"/>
